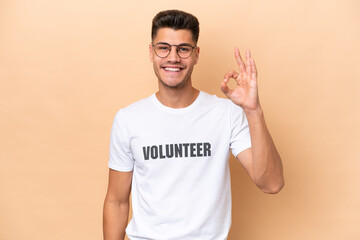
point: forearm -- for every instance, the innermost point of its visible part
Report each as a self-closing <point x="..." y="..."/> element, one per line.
<point x="267" y="166"/>
<point x="115" y="218"/>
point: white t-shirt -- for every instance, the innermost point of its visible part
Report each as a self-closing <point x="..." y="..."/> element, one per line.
<point x="179" y="157"/>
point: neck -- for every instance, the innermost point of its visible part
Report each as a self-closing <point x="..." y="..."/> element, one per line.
<point x="177" y="97"/>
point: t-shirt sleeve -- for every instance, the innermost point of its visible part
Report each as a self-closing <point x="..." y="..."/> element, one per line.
<point x="120" y="157"/>
<point x="240" y="134"/>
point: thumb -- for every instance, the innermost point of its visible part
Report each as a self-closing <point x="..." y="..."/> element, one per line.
<point x="225" y="89"/>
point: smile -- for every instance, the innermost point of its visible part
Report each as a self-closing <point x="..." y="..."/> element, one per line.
<point x="172" y="69"/>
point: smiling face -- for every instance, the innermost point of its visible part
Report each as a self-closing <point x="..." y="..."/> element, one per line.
<point x="173" y="71"/>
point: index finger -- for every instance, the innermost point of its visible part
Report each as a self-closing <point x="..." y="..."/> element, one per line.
<point x="239" y="60"/>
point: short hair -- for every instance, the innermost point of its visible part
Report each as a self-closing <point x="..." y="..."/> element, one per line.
<point x="176" y="20"/>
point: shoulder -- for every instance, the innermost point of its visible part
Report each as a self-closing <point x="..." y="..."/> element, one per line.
<point x="223" y="106"/>
<point x="215" y="100"/>
<point x="134" y="109"/>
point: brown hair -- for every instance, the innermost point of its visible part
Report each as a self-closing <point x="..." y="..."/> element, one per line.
<point x="176" y="19"/>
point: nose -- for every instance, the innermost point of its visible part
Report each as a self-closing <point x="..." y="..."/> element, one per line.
<point x="173" y="56"/>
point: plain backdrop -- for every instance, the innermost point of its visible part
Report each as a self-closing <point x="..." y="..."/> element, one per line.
<point x="66" y="68"/>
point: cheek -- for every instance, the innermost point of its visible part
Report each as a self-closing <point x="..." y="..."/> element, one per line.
<point x="156" y="66"/>
<point x="192" y="62"/>
<point x="196" y="58"/>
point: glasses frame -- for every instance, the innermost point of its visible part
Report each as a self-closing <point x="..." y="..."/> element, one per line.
<point x="177" y="48"/>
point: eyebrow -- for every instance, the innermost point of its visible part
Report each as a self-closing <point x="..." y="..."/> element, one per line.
<point x="181" y="44"/>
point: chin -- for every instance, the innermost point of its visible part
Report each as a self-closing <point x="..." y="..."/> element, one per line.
<point x="173" y="85"/>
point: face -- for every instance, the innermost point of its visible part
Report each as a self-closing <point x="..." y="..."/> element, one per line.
<point x="173" y="71"/>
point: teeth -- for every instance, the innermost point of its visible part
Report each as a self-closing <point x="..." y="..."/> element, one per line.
<point x="172" y="69"/>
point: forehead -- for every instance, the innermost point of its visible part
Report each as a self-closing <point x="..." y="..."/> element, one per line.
<point x="172" y="36"/>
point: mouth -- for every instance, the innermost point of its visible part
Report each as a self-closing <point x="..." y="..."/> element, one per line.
<point x="172" y="69"/>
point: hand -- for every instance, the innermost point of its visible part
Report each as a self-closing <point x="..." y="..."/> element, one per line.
<point x="246" y="92"/>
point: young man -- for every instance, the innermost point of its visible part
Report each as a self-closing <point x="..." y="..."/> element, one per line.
<point x="171" y="149"/>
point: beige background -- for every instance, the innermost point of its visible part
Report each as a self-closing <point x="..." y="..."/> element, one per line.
<point x="66" y="67"/>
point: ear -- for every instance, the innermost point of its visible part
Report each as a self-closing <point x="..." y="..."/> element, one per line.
<point x="196" y="54"/>
<point x="151" y="53"/>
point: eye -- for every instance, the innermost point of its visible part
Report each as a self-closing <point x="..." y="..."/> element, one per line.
<point x="184" y="49"/>
<point x="162" y="47"/>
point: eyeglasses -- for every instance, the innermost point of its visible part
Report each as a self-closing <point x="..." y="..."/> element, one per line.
<point x="162" y="50"/>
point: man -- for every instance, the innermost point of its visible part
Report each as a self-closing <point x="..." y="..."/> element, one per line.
<point x="171" y="149"/>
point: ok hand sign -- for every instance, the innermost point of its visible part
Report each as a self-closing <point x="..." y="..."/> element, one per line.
<point x="246" y="92"/>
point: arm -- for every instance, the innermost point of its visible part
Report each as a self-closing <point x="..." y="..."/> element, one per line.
<point x="262" y="162"/>
<point x="116" y="205"/>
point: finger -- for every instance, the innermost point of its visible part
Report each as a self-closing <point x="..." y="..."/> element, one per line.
<point x="247" y="60"/>
<point x="225" y="89"/>
<point x="230" y="74"/>
<point x="253" y="68"/>
<point x="239" y="60"/>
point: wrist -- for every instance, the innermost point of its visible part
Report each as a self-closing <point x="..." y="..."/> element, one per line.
<point x="254" y="112"/>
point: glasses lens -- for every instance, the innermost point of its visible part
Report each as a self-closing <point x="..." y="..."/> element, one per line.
<point x="162" y="50"/>
<point x="184" y="51"/>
